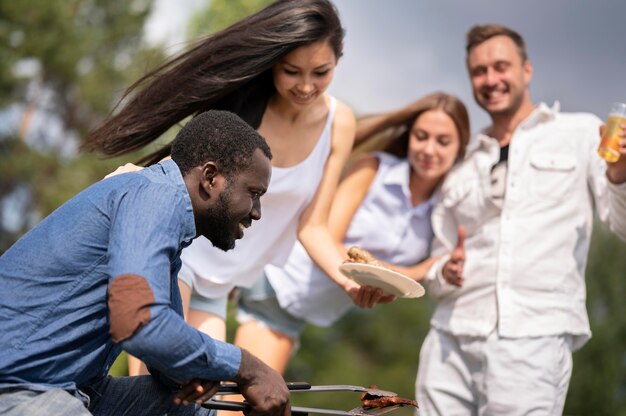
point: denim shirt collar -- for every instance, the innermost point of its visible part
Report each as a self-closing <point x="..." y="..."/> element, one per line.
<point x="172" y="172"/>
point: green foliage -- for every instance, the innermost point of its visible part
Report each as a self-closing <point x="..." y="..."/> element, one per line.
<point x="120" y="366"/>
<point x="83" y="49"/>
<point x="67" y="63"/>
<point x="598" y="383"/>
<point x="219" y="14"/>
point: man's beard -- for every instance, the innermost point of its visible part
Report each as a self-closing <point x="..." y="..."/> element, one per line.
<point x="220" y="224"/>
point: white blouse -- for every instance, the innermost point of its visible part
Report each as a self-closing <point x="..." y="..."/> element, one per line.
<point x="386" y="224"/>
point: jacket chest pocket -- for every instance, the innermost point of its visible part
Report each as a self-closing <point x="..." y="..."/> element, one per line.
<point x="552" y="175"/>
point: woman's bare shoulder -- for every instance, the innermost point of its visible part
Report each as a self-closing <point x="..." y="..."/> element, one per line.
<point x="344" y="113"/>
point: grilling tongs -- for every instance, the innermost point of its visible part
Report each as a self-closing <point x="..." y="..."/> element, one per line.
<point x="232" y="388"/>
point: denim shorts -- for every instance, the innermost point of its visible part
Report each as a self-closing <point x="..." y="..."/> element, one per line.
<point x="215" y="306"/>
<point x="260" y="304"/>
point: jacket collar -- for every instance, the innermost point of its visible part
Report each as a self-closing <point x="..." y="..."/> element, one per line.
<point x="543" y="113"/>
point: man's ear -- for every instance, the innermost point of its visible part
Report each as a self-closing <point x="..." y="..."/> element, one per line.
<point x="528" y="71"/>
<point x="209" y="178"/>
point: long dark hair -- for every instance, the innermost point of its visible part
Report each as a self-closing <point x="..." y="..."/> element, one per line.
<point x="395" y="138"/>
<point x="229" y="70"/>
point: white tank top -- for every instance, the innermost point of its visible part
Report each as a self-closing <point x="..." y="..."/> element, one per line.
<point x="270" y="239"/>
<point x="385" y="223"/>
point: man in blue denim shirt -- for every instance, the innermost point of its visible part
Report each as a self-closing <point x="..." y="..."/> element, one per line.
<point x="99" y="276"/>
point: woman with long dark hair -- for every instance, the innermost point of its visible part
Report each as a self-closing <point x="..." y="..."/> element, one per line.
<point x="272" y="69"/>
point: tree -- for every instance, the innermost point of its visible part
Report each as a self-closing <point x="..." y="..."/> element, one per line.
<point x="219" y="14"/>
<point x="66" y="64"/>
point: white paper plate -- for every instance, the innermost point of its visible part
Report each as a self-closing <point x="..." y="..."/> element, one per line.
<point x="389" y="281"/>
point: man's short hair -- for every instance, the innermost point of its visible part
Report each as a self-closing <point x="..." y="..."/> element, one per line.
<point x="218" y="136"/>
<point x="480" y="33"/>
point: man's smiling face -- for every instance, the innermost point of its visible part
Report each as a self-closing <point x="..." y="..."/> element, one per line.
<point x="238" y="204"/>
<point x="499" y="76"/>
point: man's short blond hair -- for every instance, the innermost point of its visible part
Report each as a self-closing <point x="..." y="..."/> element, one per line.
<point x="480" y="33"/>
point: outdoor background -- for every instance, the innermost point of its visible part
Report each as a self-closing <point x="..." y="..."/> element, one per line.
<point x="64" y="64"/>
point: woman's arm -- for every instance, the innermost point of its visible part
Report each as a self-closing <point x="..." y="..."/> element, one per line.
<point x="370" y="125"/>
<point x="320" y="235"/>
<point x="129" y="167"/>
<point x="417" y="271"/>
<point x="313" y="229"/>
<point x="350" y="194"/>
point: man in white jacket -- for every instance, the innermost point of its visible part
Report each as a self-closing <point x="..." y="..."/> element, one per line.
<point x="510" y="283"/>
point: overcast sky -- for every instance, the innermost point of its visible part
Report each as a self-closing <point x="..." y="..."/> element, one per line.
<point x="399" y="50"/>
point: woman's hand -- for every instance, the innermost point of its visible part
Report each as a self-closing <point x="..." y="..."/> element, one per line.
<point x="366" y="296"/>
<point x="127" y="168"/>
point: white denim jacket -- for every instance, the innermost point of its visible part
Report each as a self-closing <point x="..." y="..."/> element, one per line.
<point x="525" y="262"/>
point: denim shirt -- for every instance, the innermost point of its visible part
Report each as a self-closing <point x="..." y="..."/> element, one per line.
<point x="54" y="281"/>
